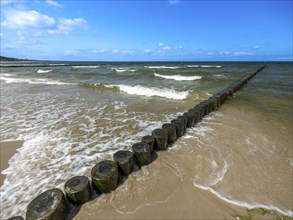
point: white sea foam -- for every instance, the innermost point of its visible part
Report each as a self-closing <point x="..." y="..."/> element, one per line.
<point x="192" y="66"/>
<point x="67" y="139"/>
<point x="219" y="75"/>
<point x="220" y="174"/>
<point x="162" y="67"/>
<point x="34" y="81"/>
<point x="243" y="203"/>
<point x="5" y="74"/>
<point x="151" y="91"/>
<point x="85" y="67"/>
<point x="43" y="71"/>
<point x="204" y="66"/>
<point x="121" y="70"/>
<point x="178" y="77"/>
<point x="57" y="64"/>
<point x="210" y="66"/>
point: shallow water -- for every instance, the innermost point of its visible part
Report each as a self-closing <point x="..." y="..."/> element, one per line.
<point x="71" y="117"/>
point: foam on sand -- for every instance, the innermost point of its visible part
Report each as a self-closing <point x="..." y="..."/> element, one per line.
<point x="242" y="203"/>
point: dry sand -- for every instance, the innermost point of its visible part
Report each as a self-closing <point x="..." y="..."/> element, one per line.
<point x="7" y="150"/>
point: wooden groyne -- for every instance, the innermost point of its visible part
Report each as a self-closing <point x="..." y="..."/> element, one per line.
<point x="56" y="204"/>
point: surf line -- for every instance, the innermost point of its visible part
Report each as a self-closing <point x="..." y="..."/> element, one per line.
<point x="107" y="174"/>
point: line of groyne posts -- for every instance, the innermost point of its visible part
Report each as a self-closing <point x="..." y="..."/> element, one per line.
<point x="55" y="204"/>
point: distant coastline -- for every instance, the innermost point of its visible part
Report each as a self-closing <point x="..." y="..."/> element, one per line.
<point x="2" y="58"/>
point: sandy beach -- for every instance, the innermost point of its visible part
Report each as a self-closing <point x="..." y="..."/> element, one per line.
<point x="7" y="150"/>
<point x="170" y="187"/>
<point x="237" y="158"/>
<point x="169" y="195"/>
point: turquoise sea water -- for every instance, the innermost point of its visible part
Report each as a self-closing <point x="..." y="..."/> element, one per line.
<point x="72" y="115"/>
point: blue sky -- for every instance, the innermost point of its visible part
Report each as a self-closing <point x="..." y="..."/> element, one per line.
<point x="151" y="30"/>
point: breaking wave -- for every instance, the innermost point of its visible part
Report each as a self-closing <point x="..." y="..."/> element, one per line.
<point x="33" y="81"/>
<point x="121" y="70"/>
<point x="178" y="77"/>
<point x="163" y="67"/>
<point x="204" y="66"/>
<point x="151" y="91"/>
<point x="85" y="67"/>
<point x="43" y="71"/>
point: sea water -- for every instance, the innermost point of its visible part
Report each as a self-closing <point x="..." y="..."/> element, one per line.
<point x="72" y="115"/>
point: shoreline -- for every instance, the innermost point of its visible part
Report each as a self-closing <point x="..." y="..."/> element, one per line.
<point x="7" y="150"/>
<point x="167" y="195"/>
<point x="168" y="189"/>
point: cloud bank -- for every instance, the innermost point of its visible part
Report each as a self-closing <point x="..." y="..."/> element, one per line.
<point x="40" y="24"/>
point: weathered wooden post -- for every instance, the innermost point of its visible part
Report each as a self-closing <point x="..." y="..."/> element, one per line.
<point x="124" y="160"/>
<point x="142" y="153"/>
<point x="78" y="189"/>
<point x="190" y="119"/>
<point x="171" y="132"/>
<point x="105" y="176"/>
<point x="50" y="204"/>
<point x="150" y="140"/>
<point x="16" y="218"/>
<point x="184" y="120"/>
<point x="179" y="125"/>
<point x="196" y="114"/>
<point x="201" y="109"/>
<point x="160" y="139"/>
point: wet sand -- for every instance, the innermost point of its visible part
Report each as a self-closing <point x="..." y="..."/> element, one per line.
<point x="7" y="150"/>
<point x="166" y="189"/>
<point x="167" y="195"/>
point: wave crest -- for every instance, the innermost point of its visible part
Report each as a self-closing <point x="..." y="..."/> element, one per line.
<point x="85" y="67"/>
<point x="151" y="91"/>
<point x="33" y="81"/>
<point x="178" y="77"/>
<point x="121" y="70"/>
<point x="162" y="67"/>
<point x="43" y="71"/>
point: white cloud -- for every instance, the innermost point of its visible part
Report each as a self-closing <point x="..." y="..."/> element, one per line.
<point x="211" y="53"/>
<point x="9" y="46"/>
<point x="255" y="47"/>
<point x="67" y="25"/>
<point x="16" y="19"/>
<point x="53" y="3"/>
<point x="124" y="52"/>
<point x="7" y="2"/>
<point x="41" y="24"/>
<point x="229" y="54"/>
<point x="238" y="54"/>
<point x="174" y="2"/>
<point x="148" y="51"/>
<point x="285" y="58"/>
<point x="71" y="52"/>
<point x="224" y="53"/>
<point x="166" y="48"/>
<point x="99" y="51"/>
